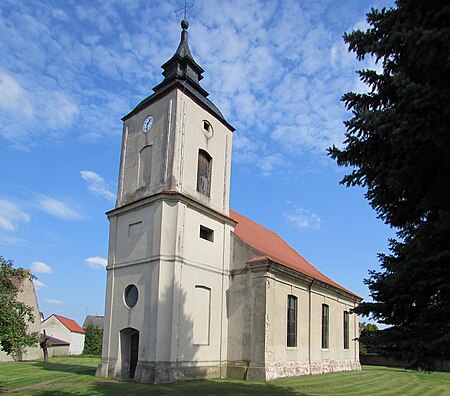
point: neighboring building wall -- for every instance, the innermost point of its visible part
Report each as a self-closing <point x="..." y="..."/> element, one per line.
<point x="58" y="350"/>
<point x="54" y="328"/>
<point x="76" y="343"/>
<point x="27" y="295"/>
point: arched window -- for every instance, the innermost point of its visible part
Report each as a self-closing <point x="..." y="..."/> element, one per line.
<point x="325" y="326"/>
<point x="204" y="172"/>
<point x="292" y="321"/>
<point x="346" y="330"/>
<point x="145" y="165"/>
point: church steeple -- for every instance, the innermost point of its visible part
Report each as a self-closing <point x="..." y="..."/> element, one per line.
<point x="183" y="72"/>
<point x="182" y="66"/>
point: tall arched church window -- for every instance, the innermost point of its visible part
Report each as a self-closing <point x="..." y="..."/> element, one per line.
<point x="325" y="326"/>
<point x="204" y="172"/>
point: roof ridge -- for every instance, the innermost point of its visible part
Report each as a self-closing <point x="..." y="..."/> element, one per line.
<point x="70" y="324"/>
<point x="60" y="316"/>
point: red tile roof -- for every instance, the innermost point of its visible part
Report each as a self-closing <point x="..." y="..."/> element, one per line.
<point x="70" y="324"/>
<point x="274" y="248"/>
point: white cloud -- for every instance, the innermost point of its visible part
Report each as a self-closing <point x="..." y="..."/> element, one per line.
<point x="40" y="267"/>
<point x="10" y="241"/>
<point x="96" y="262"/>
<point x="12" y="95"/>
<point x="30" y="108"/>
<point x="97" y="185"/>
<point x="269" y="164"/>
<point x="52" y="301"/>
<point x="38" y="285"/>
<point x="263" y="70"/>
<point x="361" y="24"/>
<point x="11" y="215"/>
<point x="303" y="219"/>
<point x="56" y="108"/>
<point x="57" y="208"/>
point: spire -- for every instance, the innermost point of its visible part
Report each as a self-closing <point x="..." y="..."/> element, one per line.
<point x="182" y="66"/>
<point x="182" y="71"/>
<point x="183" y="49"/>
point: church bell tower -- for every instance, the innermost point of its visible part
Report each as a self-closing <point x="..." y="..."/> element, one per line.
<point x="169" y="245"/>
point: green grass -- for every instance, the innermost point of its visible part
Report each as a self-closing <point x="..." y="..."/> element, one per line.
<point x="75" y="376"/>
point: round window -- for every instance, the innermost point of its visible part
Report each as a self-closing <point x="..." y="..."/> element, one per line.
<point x="131" y="296"/>
<point x="207" y="129"/>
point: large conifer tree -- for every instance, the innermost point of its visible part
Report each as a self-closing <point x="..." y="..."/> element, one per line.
<point x="398" y="144"/>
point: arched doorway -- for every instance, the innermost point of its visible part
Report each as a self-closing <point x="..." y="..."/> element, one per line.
<point x="129" y="340"/>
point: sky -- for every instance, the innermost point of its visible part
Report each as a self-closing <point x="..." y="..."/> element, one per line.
<point x="69" y="70"/>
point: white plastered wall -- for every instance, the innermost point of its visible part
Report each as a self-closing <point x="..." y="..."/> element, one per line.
<point x="308" y="357"/>
<point x="54" y="328"/>
<point x="189" y="138"/>
<point x="155" y="242"/>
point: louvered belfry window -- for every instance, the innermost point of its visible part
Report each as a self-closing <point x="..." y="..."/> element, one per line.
<point x="204" y="172"/>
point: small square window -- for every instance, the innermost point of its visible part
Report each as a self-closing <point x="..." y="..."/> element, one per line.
<point x="206" y="233"/>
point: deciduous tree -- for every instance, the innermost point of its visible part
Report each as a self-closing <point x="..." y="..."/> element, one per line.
<point x="14" y="314"/>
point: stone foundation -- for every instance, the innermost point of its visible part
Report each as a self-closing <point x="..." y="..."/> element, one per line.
<point x="163" y="372"/>
<point x="295" y="369"/>
<point x="287" y="369"/>
<point x="331" y="366"/>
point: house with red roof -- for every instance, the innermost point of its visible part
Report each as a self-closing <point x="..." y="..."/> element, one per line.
<point x="194" y="289"/>
<point x="67" y="330"/>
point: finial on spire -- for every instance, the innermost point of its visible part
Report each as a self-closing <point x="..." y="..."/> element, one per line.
<point x="183" y="11"/>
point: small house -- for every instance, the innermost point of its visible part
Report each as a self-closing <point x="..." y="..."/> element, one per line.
<point x="65" y="329"/>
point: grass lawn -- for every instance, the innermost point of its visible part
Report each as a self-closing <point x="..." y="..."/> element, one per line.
<point x="75" y="376"/>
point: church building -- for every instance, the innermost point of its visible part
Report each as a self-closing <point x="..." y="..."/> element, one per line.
<point x="194" y="289"/>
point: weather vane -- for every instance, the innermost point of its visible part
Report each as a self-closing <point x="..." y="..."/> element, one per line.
<point x="183" y="11"/>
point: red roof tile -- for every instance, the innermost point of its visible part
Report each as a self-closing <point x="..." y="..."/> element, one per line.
<point x="70" y="324"/>
<point x="276" y="249"/>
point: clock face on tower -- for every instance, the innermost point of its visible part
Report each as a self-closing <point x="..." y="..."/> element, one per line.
<point x="148" y="123"/>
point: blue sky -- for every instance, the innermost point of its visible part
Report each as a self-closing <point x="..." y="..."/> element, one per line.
<point x="276" y="69"/>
